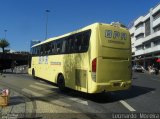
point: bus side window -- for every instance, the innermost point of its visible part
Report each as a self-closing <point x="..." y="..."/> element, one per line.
<point x="67" y="49"/>
<point x="52" y="47"/>
<point x="78" y="43"/>
<point x="64" y="44"/>
<point x="47" y="49"/>
<point x="42" y="50"/>
<point x="85" y="42"/>
<point x="59" y="46"/>
<point x="82" y="42"/>
<point x="72" y="44"/>
<point x="38" y="51"/>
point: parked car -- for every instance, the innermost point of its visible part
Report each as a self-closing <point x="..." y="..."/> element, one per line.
<point x="138" y="68"/>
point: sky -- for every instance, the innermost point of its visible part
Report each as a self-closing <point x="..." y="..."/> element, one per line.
<point x="25" y="20"/>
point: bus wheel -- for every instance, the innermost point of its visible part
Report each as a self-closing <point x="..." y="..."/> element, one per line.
<point x="61" y="83"/>
<point x="33" y="74"/>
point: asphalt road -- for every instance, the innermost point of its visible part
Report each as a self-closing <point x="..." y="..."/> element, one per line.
<point x="143" y="96"/>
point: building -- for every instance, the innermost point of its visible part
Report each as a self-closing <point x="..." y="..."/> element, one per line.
<point x="145" y="36"/>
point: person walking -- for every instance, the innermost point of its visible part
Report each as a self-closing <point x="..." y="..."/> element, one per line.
<point x="13" y="65"/>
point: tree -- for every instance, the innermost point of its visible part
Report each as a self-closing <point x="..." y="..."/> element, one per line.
<point x="3" y="43"/>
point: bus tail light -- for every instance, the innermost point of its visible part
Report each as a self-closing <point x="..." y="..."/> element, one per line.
<point x="94" y="66"/>
<point x="94" y="61"/>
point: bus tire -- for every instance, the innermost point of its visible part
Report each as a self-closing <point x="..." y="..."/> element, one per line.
<point x="61" y="83"/>
<point x="33" y="74"/>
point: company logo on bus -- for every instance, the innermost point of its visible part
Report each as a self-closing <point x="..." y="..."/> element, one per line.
<point x="115" y="35"/>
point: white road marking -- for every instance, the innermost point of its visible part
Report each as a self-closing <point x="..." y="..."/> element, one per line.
<point x="32" y="92"/>
<point x="46" y="85"/>
<point x="127" y="106"/>
<point x="78" y="100"/>
<point x="49" y="91"/>
<point x="40" y="88"/>
<point x="56" y="101"/>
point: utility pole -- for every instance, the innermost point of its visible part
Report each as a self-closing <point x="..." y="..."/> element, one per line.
<point x="47" y="11"/>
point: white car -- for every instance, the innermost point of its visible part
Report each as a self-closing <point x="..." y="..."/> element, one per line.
<point x="138" y="68"/>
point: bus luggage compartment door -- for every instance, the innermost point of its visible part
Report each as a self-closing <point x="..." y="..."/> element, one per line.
<point x="110" y="69"/>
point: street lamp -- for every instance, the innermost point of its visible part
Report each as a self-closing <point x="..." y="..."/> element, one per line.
<point x="5" y="33"/>
<point x="47" y="11"/>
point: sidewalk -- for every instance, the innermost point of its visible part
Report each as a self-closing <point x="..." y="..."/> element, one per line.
<point x="34" y="107"/>
<point x="21" y="108"/>
<point x="17" y="104"/>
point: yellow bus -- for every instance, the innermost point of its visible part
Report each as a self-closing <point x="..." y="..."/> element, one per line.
<point x="93" y="59"/>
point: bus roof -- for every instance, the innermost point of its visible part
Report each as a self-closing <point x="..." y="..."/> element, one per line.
<point x="67" y="34"/>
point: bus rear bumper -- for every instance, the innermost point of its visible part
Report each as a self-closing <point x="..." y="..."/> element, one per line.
<point x="112" y="86"/>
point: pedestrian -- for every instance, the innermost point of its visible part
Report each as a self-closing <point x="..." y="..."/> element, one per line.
<point x="149" y="69"/>
<point x="13" y="65"/>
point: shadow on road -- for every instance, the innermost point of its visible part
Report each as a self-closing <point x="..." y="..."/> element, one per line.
<point x="15" y="100"/>
<point x="134" y="91"/>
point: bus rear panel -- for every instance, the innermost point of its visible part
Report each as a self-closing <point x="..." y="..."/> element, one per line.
<point x="112" y="65"/>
